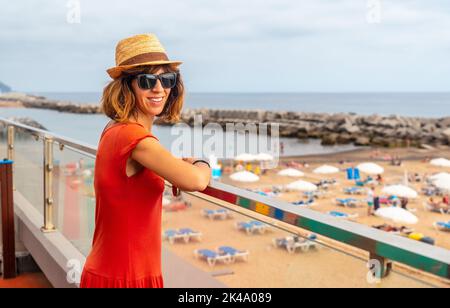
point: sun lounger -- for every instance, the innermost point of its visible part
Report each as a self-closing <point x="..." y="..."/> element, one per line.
<point x="431" y="208"/>
<point x="294" y="243"/>
<point x="354" y="190"/>
<point x="442" y="226"/>
<point x="212" y="257"/>
<point x="304" y="203"/>
<point x="431" y="191"/>
<point x="234" y="253"/>
<point x="349" y="202"/>
<point x="330" y="181"/>
<point x="173" y="235"/>
<point x="217" y="214"/>
<point x="343" y="215"/>
<point x="315" y="194"/>
<point x="191" y="234"/>
<point x="252" y="227"/>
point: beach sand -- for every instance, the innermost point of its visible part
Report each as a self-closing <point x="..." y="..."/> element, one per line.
<point x="324" y="267"/>
<point x="275" y="267"/>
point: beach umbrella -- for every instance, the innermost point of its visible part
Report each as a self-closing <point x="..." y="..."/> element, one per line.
<point x="302" y="186"/>
<point x="440" y="176"/>
<point x="291" y="172"/>
<point x="244" y="176"/>
<point x="400" y="191"/>
<point x="325" y="169"/>
<point x="440" y="162"/>
<point x="263" y="157"/>
<point x="397" y="215"/>
<point x="443" y="184"/>
<point x="246" y="157"/>
<point x="371" y="168"/>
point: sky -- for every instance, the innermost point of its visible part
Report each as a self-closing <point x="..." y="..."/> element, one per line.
<point x="233" y="45"/>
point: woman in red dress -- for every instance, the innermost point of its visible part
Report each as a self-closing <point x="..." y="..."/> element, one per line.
<point x="131" y="166"/>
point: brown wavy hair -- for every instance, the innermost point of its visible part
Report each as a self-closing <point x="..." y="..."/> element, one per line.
<point x="119" y="102"/>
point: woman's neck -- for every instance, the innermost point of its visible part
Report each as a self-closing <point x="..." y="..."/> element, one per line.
<point x="144" y="120"/>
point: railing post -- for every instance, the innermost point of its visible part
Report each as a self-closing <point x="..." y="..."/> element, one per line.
<point x="7" y="204"/>
<point x="10" y="154"/>
<point x="385" y="266"/>
<point x="48" y="185"/>
<point x="10" y="149"/>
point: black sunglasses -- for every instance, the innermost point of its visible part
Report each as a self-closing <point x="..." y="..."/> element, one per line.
<point x="148" y="81"/>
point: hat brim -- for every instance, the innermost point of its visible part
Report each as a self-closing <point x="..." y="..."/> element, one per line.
<point x="116" y="72"/>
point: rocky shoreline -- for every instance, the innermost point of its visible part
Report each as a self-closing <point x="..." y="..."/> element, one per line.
<point x="342" y="128"/>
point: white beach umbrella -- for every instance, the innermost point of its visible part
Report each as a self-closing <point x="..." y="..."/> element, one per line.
<point x="371" y="168"/>
<point x="440" y="176"/>
<point x="440" y="162"/>
<point x="397" y="215"/>
<point x="443" y="184"/>
<point x="291" y="172"/>
<point x="302" y="186"/>
<point x="246" y="157"/>
<point x="264" y="157"/>
<point x="325" y="169"/>
<point x="400" y="191"/>
<point x="244" y="176"/>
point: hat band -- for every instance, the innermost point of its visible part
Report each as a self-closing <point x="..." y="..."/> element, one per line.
<point x="146" y="57"/>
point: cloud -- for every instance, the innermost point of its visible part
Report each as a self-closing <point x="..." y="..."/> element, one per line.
<point x="329" y="41"/>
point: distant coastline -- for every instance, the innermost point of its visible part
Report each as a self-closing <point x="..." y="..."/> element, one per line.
<point x="340" y="128"/>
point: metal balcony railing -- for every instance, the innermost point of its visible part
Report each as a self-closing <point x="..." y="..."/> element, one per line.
<point x="377" y="245"/>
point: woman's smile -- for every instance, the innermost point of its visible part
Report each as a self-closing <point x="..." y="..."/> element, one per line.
<point x="155" y="101"/>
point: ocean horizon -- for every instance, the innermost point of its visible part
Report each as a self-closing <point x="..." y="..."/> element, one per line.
<point x="412" y="104"/>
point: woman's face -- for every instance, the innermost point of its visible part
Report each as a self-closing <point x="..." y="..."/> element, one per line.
<point x="151" y="102"/>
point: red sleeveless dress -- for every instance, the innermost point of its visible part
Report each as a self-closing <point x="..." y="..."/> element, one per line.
<point x="126" y="249"/>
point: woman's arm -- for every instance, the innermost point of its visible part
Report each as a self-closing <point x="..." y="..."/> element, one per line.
<point x="187" y="177"/>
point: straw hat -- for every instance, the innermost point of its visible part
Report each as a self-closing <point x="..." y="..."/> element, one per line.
<point x="139" y="50"/>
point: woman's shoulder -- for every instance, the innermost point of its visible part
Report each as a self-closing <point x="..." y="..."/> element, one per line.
<point x="124" y="129"/>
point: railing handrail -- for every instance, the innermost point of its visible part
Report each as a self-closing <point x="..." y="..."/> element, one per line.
<point x="78" y="145"/>
<point x="431" y="259"/>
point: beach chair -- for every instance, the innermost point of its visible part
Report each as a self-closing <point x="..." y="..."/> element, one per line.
<point x="349" y="202"/>
<point x="234" y="253"/>
<point x="191" y="234"/>
<point x="252" y="227"/>
<point x="360" y="183"/>
<point x="331" y="181"/>
<point x="309" y="202"/>
<point x="429" y="191"/>
<point x="173" y="235"/>
<point x="428" y="207"/>
<point x="217" y="214"/>
<point x="311" y="195"/>
<point x="354" y="191"/>
<point x="341" y="215"/>
<point x="212" y="257"/>
<point x="442" y="226"/>
<point x="294" y="243"/>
